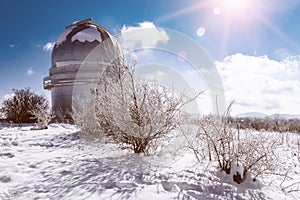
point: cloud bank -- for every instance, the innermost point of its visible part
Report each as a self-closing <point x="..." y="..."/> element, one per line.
<point x="145" y="35"/>
<point x="261" y="84"/>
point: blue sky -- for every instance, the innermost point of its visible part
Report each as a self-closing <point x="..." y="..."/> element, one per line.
<point x="264" y="33"/>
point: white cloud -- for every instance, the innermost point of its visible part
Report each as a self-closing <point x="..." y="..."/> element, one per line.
<point x="261" y="84"/>
<point x="49" y="46"/>
<point x="8" y="96"/>
<point x="30" y="71"/>
<point x="145" y="35"/>
<point x="13" y="45"/>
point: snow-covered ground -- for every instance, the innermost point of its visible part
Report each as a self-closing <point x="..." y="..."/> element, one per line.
<point x="62" y="163"/>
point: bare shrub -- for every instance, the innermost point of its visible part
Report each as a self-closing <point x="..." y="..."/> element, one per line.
<point x="63" y="115"/>
<point x="136" y="114"/>
<point x="237" y="154"/>
<point x="42" y="114"/>
<point x="83" y="114"/>
<point x="19" y="106"/>
<point x="275" y="124"/>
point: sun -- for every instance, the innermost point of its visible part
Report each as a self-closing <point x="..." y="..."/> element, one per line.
<point x="233" y="7"/>
<point x="236" y="18"/>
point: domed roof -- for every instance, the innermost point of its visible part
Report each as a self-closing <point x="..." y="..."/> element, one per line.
<point x="81" y="38"/>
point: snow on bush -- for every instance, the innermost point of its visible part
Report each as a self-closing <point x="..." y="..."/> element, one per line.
<point x="42" y="114"/>
<point x="83" y="115"/>
<point x="239" y="155"/>
<point x="63" y="115"/>
<point x="136" y="114"/>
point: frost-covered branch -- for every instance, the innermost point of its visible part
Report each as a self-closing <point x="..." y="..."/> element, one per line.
<point x="139" y="115"/>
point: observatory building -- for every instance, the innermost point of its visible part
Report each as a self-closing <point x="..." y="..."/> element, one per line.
<point x="79" y="57"/>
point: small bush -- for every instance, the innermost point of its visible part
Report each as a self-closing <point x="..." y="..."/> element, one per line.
<point x="136" y="114"/>
<point x="63" y="115"/>
<point x="83" y="114"/>
<point x="237" y="154"/>
<point x="42" y="115"/>
<point x="23" y="106"/>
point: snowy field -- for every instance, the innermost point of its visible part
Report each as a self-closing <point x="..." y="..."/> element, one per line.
<point x="62" y="163"/>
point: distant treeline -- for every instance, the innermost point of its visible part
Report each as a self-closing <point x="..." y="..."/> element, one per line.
<point x="267" y="124"/>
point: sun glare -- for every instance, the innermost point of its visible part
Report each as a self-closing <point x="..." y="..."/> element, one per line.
<point x="234" y="7"/>
<point x="235" y="4"/>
